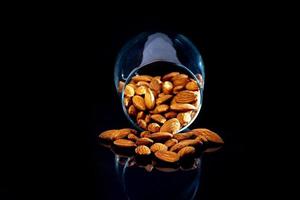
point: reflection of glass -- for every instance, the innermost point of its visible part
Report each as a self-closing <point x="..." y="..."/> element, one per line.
<point x="158" y="182"/>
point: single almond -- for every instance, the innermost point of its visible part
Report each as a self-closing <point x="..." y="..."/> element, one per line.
<point x="158" y="118"/>
<point x="122" y="133"/>
<point x="202" y="138"/>
<point x="167" y="87"/>
<point x="192" y="86"/>
<point x="144" y="141"/>
<point x="154" y="127"/>
<point x="129" y="91"/>
<point x="155" y="85"/>
<point x="185" y="96"/>
<point x="171" y="126"/>
<point x="185" y="143"/>
<point x="163" y="99"/>
<point x="142" y="78"/>
<point x="139" y="102"/>
<point x="141" y="90"/>
<point x="142" y="150"/>
<point x="178" y="89"/>
<point x="145" y="134"/>
<point x="169" y="76"/>
<point x="182" y="107"/>
<point x="160" y="136"/>
<point x="140" y="115"/>
<point x="142" y="83"/>
<point x="170" y="114"/>
<point x="148" y="118"/>
<point x="158" y="147"/>
<point x="180" y="79"/>
<point x="184" y="136"/>
<point x="184" y="118"/>
<point x="186" y="151"/>
<point x="132" y="110"/>
<point x="210" y="135"/>
<point x="167" y="156"/>
<point x="149" y="99"/>
<point x="171" y="142"/>
<point x="132" y="137"/>
<point x="108" y="135"/>
<point x="121" y="86"/>
<point x="142" y="123"/>
<point x="160" y="109"/>
<point x="127" y="101"/>
<point x="124" y="143"/>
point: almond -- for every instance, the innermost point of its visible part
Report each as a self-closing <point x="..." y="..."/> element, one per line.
<point x="140" y="115"/>
<point x="147" y="118"/>
<point x="129" y="91"/>
<point x="142" y="150"/>
<point x="160" y="136"/>
<point x="209" y="135"/>
<point x="163" y="99"/>
<point x="184" y="118"/>
<point x="142" y="83"/>
<point x="158" y="147"/>
<point x="122" y="133"/>
<point x="127" y="101"/>
<point x="185" y="96"/>
<point x="144" y="141"/>
<point x="167" y="156"/>
<point x="160" y="109"/>
<point x="139" y="102"/>
<point x="141" y="90"/>
<point x="180" y="79"/>
<point x="154" y="127"/>
<point x="171" y="126"/>
<point x="178" y="89"/>
<point x="170" y="114"/>
<point x="132" y="110"/>
<point x="201" y="138"/>
<point x="124" y="143"/>
<point x="184" y="136"/>
<point x="108" y="135"/>
<point x="142" y="78"/>
<point x="121" y="86"/>
<point x="145" y="133"/>
<point x="184" y="143"/>
<point x="192" y="85"/>
<point x="132" y="137"/>
<point x="186" y="151"/>
<point x="149" y="99"/>
<point x="169" y="143"/>
<point x="167" y="87"/>
<point x="142" y="124"/>
<point x="155" y="85"/>
<point x="169" y="76"/>
<point x="182" y="107"/>
<point x="158" y="118"/>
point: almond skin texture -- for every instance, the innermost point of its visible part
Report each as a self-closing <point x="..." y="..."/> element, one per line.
<point x="108" y="135"/>
<point x="140" y="115"/>
<point x="142" y="124"/>
<point x="192" y="86"/>
<point x="142" y="150"/>
<point x="129" y="91"/>
<point x="147" y="118"/>
<point x="155" y="85"/>
<point x="160" y="136"/>
<point x="149" y="99"/>
<point x="158" y="147"/>
<point x="158" y="118"/>
<point x="132" y="137"/>
<point x="132" y="110"/>
<point x="178" y="89"/>
<point x="141" y="90"/>
<point x="186" y="151"/>
<point x="170" y="114"/>
<point x="160" y="109"/>
<point x="169" y="76"/>
<point x="171" y="126"/>
<point x="124" y="143"/>
<point x="185" y="96"/>
<point x="181" y="79"/>
<point x="182" y="107"/>
<point x="163" y="99"/>
<point x="154" y="127"/>
<point x="167" y="156"/>
<point x="167" y="87"/>
<point x="171" y="142"/>
<point x="209" y="135"/>
<point x="183" y="136"/>
<point x="142" y="83"/>
<point x="139" y="102"/>
<point x="122" y="133"/>
<point x="142" y="78"/>
<point x="144" y="141"/>
<point x="184" y="118"/>
<point x="185" y="143"/>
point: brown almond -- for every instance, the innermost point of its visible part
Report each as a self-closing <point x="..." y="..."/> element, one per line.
<point x="127" y="101"/>
<point x="167" y="87"/>
<point x="129" y="91"/>
<point x="169" y="76"/>
<point x="122" y="133"/>
<point x="121" y="86"/>
<point x="132" y="137"/>
<point x="185" y="96"/>
<point x="167" y="156"/>
<point x="141" y="90"/>
<point x="170" y="114"/>
<point x="171" y="126"/>
<point x="192" y="86"/>
<point x="144" y="141"/>
<point x="184" y="118"/>
<point x="200" y="78"/>
<point x="155" y="85"/>
<point x="171" y="142"/>
<point x="201" y="138"/>
<point x="142" y="83"/>
<point x="149" y="99"/>
<point x="108" y="135"/>
<point x="139" y="102"/>
<point x="154" y="127"/>
<point x="145" y="134"/>
<point x="148" y="118"/>
<point x="184" y="136"/>
<point x="180" y="79"/>
<point x="124" y="143"/>
<point x="142" y="150"/>
<point x="132" y="110"/>
<point x="178" y="89"/>
<point x="185" y="143"/>
<point x="158" y="118"/>
<point x="140" y="115"/>
<point x="210" y="135"/>
<point x="163" y="99"/>
<point x="160" y="109"/>
<point x="142" y="123"/>
<point x="182" y="107"/>
<point x="142" y="78"/>
<point x="158" y="147"/>
<point x="160" y="136"/>
<point x="186" y="151"/>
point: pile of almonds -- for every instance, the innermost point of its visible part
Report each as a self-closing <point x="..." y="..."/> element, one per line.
<point x="165" y="146"/>
<point x="162" y="104"/>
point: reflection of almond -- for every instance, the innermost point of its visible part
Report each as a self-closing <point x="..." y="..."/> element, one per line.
<point x="210" y="135"/>
<point x="169" y="143"/>
<point x="167" y="156"/>
<point x="186" y="151"/>
<point x="142" y="83"/>
<point x="170" y="114"/>
<point x="184" y="118"/>
<point x="171" y="126"/>
<point x="155" y="85"/>
<point x="158" y="118"/>
<point x="108" y="135"/>
<point x="139" y="102"/>
<point x="142" y="78"/>
<point x="129" y="91"/>
<point x="149" y="99"/>
<point x="121" y="86"/>
<point x="183" y="136"/>
<point x="182" y="107"/>
<point x="158" y="147"/>
<point x="160" y="136"/>
<point x="184" y="143"/>
<point x="142" y="150"/>
<point x="132" y="110"/>
<point x="167" y="87"/>
<point x="154" y="127"/>
<point x="141" y="90"/>
<point x="124" y="143"/>
<point x="163" y="99"/>
<point x="185" y="96"/>
<point x="160" y="109"/>
<point x="192" y="85"/>
<point x="144" y="141"/>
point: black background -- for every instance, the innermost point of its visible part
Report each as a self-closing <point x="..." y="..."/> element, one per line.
<point x="60" y="95"/>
